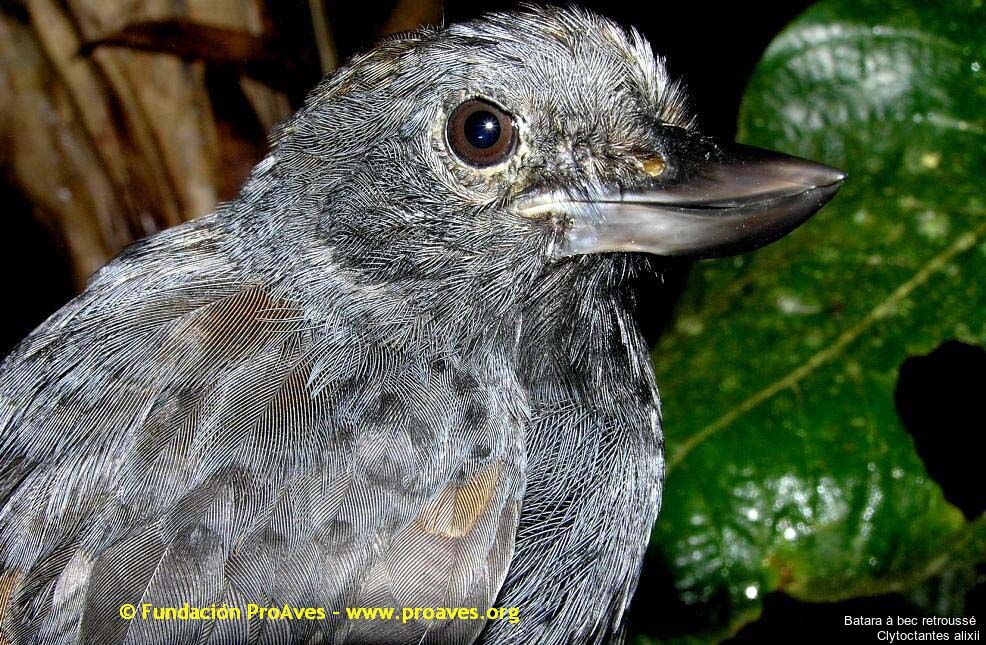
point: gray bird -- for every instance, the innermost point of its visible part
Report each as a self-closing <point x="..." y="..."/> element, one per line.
<point x="401" y="369"/>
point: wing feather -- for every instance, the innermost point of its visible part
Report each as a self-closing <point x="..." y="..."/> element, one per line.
<point x="213" y="443"/>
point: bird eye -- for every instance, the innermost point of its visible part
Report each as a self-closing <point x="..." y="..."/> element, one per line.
<point x="480" y="133"/>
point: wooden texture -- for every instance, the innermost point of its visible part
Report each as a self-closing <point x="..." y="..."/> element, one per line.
<point x="112" y="143"/>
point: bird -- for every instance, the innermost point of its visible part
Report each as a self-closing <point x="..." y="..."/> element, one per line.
<point x="402" y="368"/>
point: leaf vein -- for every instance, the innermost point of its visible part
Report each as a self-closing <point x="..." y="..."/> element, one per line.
<point x="883" y="309"/>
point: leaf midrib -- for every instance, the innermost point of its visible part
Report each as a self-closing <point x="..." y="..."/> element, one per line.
<point x="963" y="243"/>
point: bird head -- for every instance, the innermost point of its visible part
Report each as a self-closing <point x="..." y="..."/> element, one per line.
<point x="530" y="140"/>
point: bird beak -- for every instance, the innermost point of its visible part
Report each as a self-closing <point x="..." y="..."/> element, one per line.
<point x="695" y="198"/>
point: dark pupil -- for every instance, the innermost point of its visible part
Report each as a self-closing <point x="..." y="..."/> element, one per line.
<point x="482" y="129"/>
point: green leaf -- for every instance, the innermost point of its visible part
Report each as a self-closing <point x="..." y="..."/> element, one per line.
<point x="788" y="468"/>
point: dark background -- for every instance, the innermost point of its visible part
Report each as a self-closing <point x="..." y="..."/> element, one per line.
<point x="714" y="48"/>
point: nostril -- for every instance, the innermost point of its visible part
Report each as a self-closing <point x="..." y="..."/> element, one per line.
<point x="654" y="166"/>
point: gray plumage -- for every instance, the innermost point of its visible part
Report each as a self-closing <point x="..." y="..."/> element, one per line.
<point x="367" y="381"/>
